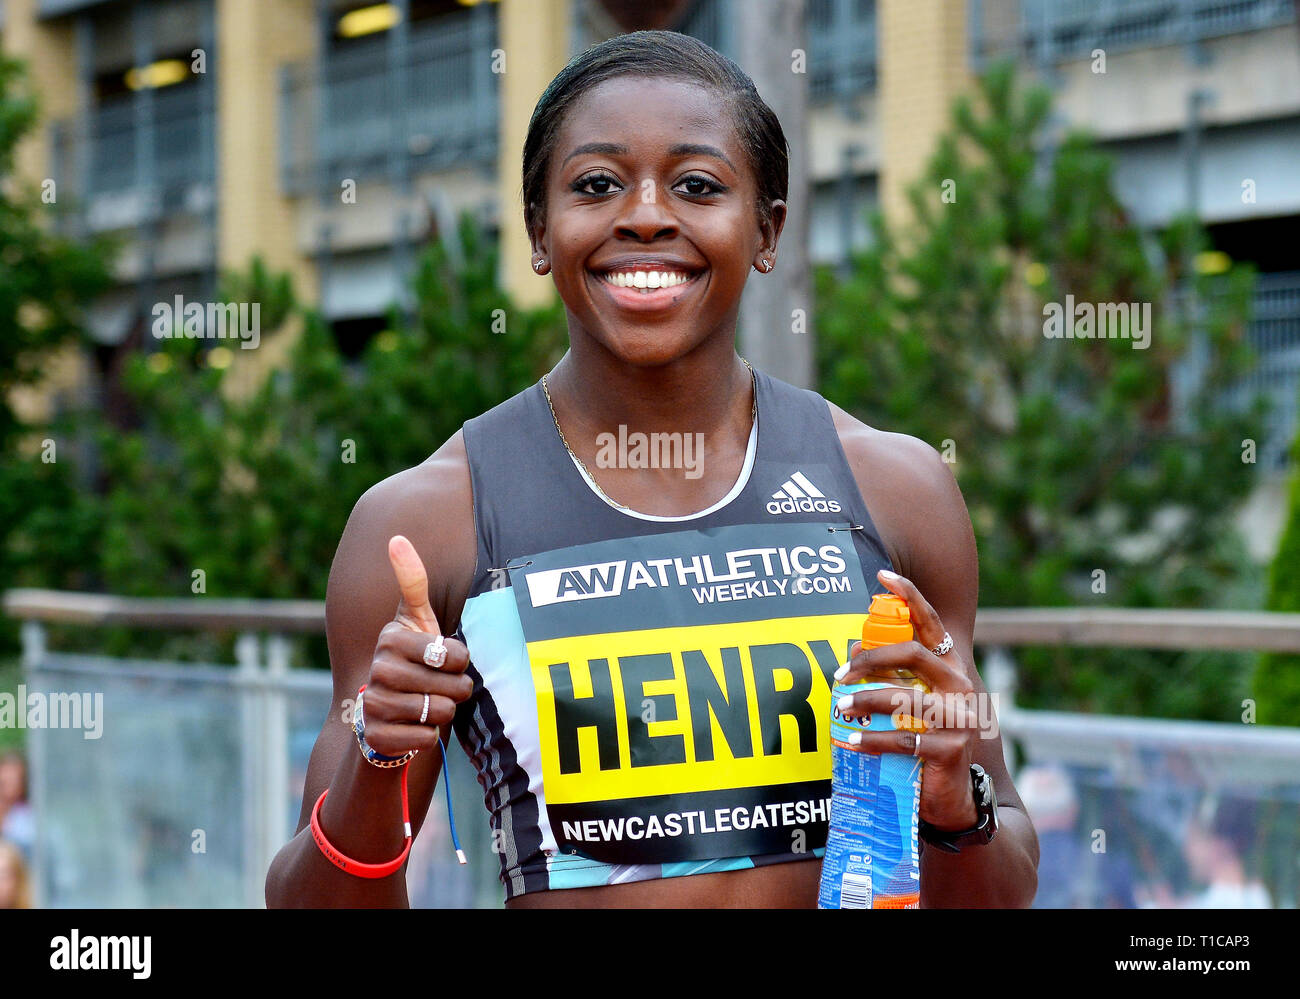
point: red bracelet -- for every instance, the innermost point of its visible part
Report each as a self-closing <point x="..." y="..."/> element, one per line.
<point x="355" y="867"/>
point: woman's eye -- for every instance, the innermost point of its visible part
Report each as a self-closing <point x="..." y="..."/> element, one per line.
<point x="582" y="184"/>
<point x="698" y="181"/>
<point x="602" y="183"/>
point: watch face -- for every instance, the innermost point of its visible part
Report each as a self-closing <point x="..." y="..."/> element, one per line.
<point x="987" y="799"/>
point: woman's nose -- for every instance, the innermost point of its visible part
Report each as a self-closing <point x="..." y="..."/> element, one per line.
<point x="646" y="216"/>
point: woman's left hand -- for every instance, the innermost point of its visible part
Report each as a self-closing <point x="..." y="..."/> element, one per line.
<point x="951" y="724"/>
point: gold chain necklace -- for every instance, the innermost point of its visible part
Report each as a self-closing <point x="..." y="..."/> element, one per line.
<point x="753" y="379"/>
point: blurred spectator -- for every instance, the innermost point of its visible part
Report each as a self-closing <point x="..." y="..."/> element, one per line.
<point x="14" y="892"/>
<point x="16" y="821"/>
<point x="1217" y="841"/>
<point x="1049" y="798"/>
<point x="1070" y="874"/>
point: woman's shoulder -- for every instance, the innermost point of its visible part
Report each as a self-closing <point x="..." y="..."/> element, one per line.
<point x="909" y="489"/>
<point x="432" y="505"/>
<point x="441" y="476"/>
<point x="900" y="458"/>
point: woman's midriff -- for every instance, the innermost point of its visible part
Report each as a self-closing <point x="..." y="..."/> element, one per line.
<point x="790" y="885"/>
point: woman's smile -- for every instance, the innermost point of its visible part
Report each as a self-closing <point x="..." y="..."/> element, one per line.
<point x="648" y="288"/>
<point x="651" y="219"/>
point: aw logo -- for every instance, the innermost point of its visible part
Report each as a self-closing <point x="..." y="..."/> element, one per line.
<point x="577" y="582"/>
<point x="798" y="495"/>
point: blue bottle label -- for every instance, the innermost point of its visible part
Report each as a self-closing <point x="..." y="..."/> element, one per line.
<point x="872" y="858"/>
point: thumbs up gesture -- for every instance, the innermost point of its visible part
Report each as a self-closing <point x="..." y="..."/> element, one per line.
<point x="417" y="676"/>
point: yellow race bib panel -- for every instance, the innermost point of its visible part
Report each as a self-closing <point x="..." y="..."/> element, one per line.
<point x="683" y="688"/>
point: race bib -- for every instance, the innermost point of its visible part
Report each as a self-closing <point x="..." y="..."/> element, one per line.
<point x="683" y="688"/>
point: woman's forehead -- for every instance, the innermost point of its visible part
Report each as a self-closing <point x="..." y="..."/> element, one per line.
<point x="649" y="116"/>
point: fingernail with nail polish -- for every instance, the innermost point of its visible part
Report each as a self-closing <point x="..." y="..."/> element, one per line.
<point x="855" y="739"/>
<point x="890" y="575"/>
<point x="845" y="702"/>
<point x="842" y="672"/>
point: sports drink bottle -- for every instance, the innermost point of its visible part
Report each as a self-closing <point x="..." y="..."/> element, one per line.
<point x="872" y="860"/>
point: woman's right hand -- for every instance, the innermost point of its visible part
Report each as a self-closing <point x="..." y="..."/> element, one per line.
<point x="399" y="676"/>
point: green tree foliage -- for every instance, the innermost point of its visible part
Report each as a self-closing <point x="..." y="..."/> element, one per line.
<point x="1074" y="455"/>
<point x="254" y="488"/>
<point x="1276" y="687"/>
<point x="44" y="281"/>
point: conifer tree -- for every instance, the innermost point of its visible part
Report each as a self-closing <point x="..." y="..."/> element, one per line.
<point x="1098" y="472"/>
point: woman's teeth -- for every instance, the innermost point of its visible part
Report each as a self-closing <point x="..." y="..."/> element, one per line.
<point x="646" y="280"/>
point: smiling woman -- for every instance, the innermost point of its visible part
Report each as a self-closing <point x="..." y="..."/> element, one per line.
<point x="639" y="654"/>
<point x="692" y="186"/>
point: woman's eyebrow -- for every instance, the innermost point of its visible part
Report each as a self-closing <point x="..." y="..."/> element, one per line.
<point x="607" y="148"/>
<point x="694" y="149"/>
<point x="681" y="149"/>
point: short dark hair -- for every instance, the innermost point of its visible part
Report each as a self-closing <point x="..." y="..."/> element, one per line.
<point x="667" y="54"/>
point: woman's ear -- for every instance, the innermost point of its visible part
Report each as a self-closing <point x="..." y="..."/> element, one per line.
<point x="770" y="227"/>
<point x="776" y="222"/>
<point x="537" y="239"/>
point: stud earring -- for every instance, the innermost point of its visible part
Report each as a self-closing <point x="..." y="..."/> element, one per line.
<point x="537" y="264"/>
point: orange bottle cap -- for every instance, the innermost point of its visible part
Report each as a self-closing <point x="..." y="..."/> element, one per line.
<point x="887" y="622"/>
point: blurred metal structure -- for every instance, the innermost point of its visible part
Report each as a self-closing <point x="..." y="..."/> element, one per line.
<point x="392" y="105"/>
<point x="139" y="157"/>
<point x="841" y="48"/>
<point x="196" y="779"/>
<point x="1275" y="335"/>
<point x="1047" y="31"/>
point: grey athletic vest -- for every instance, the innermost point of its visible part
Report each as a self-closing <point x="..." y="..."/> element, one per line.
<point x="652" y="695"/>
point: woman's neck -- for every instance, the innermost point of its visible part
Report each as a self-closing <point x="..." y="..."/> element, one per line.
<point x="709" y="393"/>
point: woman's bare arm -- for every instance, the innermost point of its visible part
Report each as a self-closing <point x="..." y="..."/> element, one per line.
<point x="431" y="505"/>
<point x="919" y="512"/>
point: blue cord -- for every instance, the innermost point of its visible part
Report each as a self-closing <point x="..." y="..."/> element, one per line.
<point x="451" y="815"/>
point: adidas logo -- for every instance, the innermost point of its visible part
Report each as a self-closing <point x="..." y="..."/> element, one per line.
<point x="798" y="495"/>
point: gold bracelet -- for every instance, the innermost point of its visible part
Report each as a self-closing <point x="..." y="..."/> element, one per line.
<point x="372" y="756"/>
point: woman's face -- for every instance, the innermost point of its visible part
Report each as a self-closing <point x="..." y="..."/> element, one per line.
<point x="648" y="176"/>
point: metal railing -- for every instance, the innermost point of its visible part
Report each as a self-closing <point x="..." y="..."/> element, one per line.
<point x="841" y="48"/>
<point x="1275" y="334"/>
<point x="158" y="148"/>
<point x="1049" y="31"/>
<point x="195" y="779"/>
<point x="359" y="112"/>
<point x="178" y="141"/>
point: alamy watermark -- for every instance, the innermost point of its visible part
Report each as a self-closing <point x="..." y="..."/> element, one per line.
<point x="91" y="952"/>
<point x="1100" y="321"/>
<point x="657" y="450"/>
<point x="182" y="320"/>
<point x="973" y="709"/>
<point x="34" y="709"/>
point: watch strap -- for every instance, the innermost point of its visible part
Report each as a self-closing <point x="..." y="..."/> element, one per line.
<point x="986" y="825"/>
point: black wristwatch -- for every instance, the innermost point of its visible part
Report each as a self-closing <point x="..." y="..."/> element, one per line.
<point x="985" y="827"/>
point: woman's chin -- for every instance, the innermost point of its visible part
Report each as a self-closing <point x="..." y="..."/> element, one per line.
<point x="648" y="352"/>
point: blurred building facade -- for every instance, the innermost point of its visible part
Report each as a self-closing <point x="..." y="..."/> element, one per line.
<point x="207" y="130"/>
